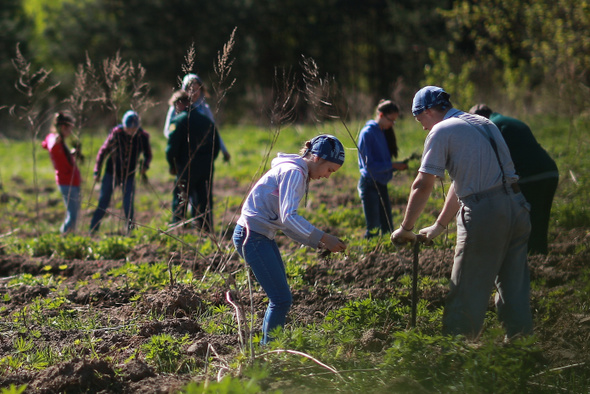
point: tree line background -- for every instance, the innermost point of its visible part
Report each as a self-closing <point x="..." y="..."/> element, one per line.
<point x="519" y="56"/>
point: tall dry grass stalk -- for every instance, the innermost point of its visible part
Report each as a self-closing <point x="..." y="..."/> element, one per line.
<point x="35" y="86"/>
<point x="222" y="68"/>
<point x="122" y="86"/>
<point x="281" y="113"/>
<point x="321" y="93"/>
<point x="323" y="97"/>
<point x="189" y="63"/>
<point x="85" y="94"/>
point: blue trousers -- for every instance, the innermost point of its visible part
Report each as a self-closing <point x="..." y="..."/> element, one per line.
<point x="263" y="257"/>
<point x="106" y="192"/>
<point x="376" y="206"/>
<point x="71" y="196"/>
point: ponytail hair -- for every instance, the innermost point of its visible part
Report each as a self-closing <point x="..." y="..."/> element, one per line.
<point x="63" y="118"/>
<point x="388" y="107"/>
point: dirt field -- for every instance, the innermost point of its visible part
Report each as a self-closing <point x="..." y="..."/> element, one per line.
<point x="565" y="339"/>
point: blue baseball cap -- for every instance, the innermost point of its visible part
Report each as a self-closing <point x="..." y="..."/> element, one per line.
<point x="328" y="147"/>
<point x="131" y="119"/>
<point x="428" y="97"/>
<point x="189" y="78"/>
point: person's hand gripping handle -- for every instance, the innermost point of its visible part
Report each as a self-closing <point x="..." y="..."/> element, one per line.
<point x="402" y="236"/>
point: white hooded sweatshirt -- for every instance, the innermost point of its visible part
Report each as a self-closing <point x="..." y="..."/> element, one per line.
<point x="273" y="202"/>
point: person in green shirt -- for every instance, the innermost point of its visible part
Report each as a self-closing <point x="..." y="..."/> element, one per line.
<point x="193" y="146"/>
<point x="537" y="171"/>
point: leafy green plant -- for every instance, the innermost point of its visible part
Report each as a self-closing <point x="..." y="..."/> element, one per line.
<point x="227" y="385"/>
<point x="370" y="313"/>
<point x="452" y="363"/>
<point x="112" y="248"/>
<point x="219" y="319"/>
<point x="12" y="362"/>
<point x="23" y="345"/>
<point x="13" y="389"/>
<point x="145" y="275"/>
<point x="47" y="280"/>
<point x="42" y="246"/>
<point x="165" y="352"/>
<point x="73" y="247"/>
<point x="49" y="244"/>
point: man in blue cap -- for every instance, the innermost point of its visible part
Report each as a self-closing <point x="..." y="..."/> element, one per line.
<point x="121" y="151"/>
<point x="493" y="223"/>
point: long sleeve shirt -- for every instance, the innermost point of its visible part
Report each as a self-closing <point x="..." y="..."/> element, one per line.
<point x="193" y="145"/>
<point x="374" y="157"/>
<point x="121" y="152"/>
<point x="273" y="202"/>
<point x="531" y="161"/>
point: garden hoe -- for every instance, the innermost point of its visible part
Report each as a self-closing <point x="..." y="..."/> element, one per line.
<point x="420" y="239"/>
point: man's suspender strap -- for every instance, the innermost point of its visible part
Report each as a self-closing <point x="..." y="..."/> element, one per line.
<point x="488" y="135"/>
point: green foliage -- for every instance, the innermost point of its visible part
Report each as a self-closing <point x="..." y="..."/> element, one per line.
<point x="452" y="364"/>
<point x="47" y="280"/>
<point x="164" y="352"/>
<point x="459" y="84"/>
<point x="524" y="49"/>
<point x="144" y="276"/>
<point x="112" y="248"/>
<point x="370" y="313"/>
<point x="227" y="385"/>
<point x="69" y="247"/>
<point x="72" y="247"/>
<point x="42" y="246"/>
<point x="13" y="389"/>
<point x="350" y="216"/>
<point x="219" y="319"/>
<point x="26" y="353"/>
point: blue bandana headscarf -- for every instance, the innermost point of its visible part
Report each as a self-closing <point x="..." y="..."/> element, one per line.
<point x="327" y="147"/>
<point x="131" y="119"/>
<point x="189" y="78"/>
<point x="428" y="97"/>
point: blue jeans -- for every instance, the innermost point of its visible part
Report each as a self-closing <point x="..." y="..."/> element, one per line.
<point x="71" y="196"/>
<point x="106" y="192"/>
<point x="262" y="255"/>
<point x="376" y="206"/>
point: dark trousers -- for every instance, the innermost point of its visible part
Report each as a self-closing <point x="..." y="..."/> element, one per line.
<point x="376" y="206"/>
<point x="198" y="193"/>
<point x="540" y="195"/>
